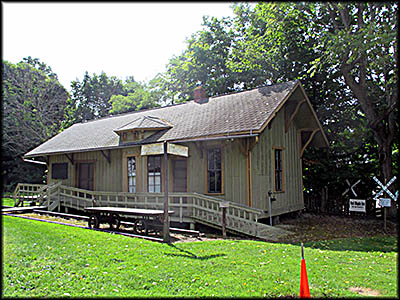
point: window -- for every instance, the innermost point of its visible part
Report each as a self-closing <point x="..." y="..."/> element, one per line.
<point x="154" y="174"/>
<point x="131" y="174"/>
<point x="278" y="170"/>
<point x="214" y="171"/>
<point x="59" y="171"/>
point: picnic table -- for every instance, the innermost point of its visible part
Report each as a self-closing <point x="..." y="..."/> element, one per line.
<point x="144" y="220"/>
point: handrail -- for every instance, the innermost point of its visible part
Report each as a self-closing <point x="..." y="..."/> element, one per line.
<point x="231" y="204"/>
<point x="26" y="190"/>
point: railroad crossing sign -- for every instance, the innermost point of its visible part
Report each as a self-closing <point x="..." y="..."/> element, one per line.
<point x="351" y="187"/>
<point x="385" y="202"/>
<point x="385" y="189"/>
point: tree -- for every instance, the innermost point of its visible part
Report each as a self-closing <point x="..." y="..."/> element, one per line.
<point x="204" y="62"/>
<point x="90" y="98"/>
<point x="138" y="96"/>
<point x="279" y="41"/>
<point x="360" y="41"/>
<point x="33" y="109"/>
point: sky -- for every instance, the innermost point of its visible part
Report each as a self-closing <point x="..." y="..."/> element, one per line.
<point x="122" y="39"/>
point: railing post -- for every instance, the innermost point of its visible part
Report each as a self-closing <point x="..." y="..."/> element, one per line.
<point x="180" y="210"/>
<point x="48" y="198"/>
<point x="59" y="199"/>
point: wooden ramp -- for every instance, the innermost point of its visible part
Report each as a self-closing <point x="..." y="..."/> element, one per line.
<point x="22" y="209"/>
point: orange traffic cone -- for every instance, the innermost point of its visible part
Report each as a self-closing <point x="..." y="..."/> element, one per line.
<point x="304" y="288"/>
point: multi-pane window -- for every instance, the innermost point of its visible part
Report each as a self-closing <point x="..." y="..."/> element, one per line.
<point x="214" y="171"/>
<point x="132" y="174"/>
<point x="154" y="174"/>
<point x="59" y="171"/>
<point x="278" y="170"/>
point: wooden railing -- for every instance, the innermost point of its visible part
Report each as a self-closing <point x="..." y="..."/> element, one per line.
<point x="239" y="217"/>
<point x="187" y="207"/>
<point x="25" y="193"/>
<point x="79" y="199"/>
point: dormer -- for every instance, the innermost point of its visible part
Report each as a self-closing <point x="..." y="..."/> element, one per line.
<point x="141" y="128"/>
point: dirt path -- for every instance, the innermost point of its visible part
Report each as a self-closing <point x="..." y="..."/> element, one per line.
<point x="316" y="227"/>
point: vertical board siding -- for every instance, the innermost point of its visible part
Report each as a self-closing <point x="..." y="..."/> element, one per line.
<point x="263" y="168"/>
<point x="234" y="170"/>
<point x="108" y="176"/>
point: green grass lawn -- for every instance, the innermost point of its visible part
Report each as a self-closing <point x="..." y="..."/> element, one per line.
<point x="51" y="260"/>
<point x="7" y="201"/>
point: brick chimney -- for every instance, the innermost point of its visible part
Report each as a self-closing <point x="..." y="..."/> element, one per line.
<point x="200" y="95"/>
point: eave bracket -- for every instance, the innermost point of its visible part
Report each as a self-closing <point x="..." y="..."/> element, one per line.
<point x="106" y="156"/>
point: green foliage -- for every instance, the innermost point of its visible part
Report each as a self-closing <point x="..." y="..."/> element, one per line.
<point x="100" y="95"/>
<point x="33" y="110"/>
<point x="50" y="260"/>
<point x="90" y="98"/>
<point x="139" y="96"/>
<point x="7" y="201"/>
<point x="204" y="62"/>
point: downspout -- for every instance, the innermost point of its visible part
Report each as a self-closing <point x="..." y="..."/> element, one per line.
<point x="249" y="171"/>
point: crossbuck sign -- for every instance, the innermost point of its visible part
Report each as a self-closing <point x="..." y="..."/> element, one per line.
<point x="357" y="205"/>
<point x="385" y="189"/>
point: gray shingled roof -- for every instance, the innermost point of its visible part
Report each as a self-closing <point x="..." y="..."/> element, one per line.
<point x="227" y="114"/>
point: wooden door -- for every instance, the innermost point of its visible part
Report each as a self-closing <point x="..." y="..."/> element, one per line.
<point x="179" y="169"/>
<point x="180" y="175"/>
<point x="86" y="176"/>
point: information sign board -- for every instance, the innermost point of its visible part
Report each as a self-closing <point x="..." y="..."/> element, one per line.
<point x="177" y="150"/>
<point x="384" y="202"/>
<point x="357" y="205"/>
<point x="158" y="148"/>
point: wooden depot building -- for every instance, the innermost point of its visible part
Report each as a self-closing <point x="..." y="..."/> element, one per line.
<point x="239" y="147"/>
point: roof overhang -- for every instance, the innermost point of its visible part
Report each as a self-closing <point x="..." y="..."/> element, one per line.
<point x="319" y="138"/>
<point x="224" y="136"/>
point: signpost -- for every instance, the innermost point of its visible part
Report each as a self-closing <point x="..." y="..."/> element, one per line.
<point x="385" y="202"/>
<point x="165" y="148"/>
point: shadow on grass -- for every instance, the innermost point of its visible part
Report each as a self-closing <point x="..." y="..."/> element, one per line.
<point x="189" y="254"/>
<point x="365" y="244"/>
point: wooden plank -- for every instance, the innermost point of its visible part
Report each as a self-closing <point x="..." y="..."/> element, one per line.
<point x="130" y="211"/>
<point x="21" y="209"/>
